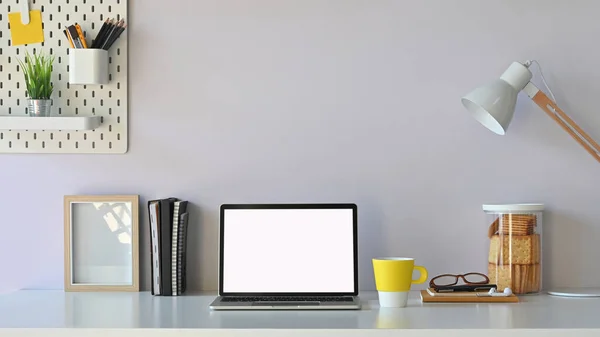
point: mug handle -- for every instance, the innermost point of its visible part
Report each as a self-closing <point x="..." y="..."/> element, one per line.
<point x="423" y="273"/>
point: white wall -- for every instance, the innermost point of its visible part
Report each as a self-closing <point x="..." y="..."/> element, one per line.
<point x="338" y="100"/>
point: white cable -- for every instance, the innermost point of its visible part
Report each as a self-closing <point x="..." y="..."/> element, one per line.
<point x="543" y="79"/>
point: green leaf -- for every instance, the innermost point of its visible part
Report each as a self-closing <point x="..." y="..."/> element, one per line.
<point x="37" y="72"/>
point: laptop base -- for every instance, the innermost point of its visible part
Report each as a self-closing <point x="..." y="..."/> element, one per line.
<point x="218" y="304"/>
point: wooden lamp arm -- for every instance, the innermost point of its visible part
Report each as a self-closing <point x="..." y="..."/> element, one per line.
<point x="544" y="102"/>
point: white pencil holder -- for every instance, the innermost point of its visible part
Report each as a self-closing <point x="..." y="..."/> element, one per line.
<point x="88" y="66"/>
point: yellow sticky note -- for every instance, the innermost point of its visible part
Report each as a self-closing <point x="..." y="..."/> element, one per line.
<point x="26" y="34"/>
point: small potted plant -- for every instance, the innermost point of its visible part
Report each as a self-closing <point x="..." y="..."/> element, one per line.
<point x="37" y="70"/>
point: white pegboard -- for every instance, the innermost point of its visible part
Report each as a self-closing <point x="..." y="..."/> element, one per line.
<point x="108" y="101"/>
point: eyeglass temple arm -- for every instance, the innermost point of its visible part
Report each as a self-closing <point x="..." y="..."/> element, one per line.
<point x="561" y="118"/>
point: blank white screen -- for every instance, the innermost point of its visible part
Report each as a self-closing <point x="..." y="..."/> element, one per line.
<point x="288" y="250"/>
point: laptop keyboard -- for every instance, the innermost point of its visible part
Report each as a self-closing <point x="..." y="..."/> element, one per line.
<point x="286" y="299"/>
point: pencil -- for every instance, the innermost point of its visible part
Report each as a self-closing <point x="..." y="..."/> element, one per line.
<point x="116" y="36"/>
<point x="105" y="27"/>
<point x="109" y="34"/>
<point x="101" y="33"/>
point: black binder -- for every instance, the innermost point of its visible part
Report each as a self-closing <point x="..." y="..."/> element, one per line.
<point x="166" y="228"/>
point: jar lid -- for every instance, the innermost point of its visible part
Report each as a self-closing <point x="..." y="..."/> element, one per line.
<point x="513" y="208"/>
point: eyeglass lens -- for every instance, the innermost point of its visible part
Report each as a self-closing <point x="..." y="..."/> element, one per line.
<point x="445" y="280"/>
<point x="474" y="278"/>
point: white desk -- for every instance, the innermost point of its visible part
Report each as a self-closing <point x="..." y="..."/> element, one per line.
<point x="55" y="313"/>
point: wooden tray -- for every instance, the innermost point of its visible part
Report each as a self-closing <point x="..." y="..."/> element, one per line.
<point x="427" y="298"/>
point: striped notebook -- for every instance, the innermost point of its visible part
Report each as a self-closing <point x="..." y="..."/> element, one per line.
<point x="179" y="207"/>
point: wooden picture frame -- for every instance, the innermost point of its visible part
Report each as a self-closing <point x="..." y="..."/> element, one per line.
<point x="101" y="243"/>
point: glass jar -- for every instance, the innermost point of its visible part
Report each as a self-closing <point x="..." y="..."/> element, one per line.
<point x="515" y="250"/>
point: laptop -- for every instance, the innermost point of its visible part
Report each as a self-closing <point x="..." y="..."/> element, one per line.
<point x="288" y="256"/>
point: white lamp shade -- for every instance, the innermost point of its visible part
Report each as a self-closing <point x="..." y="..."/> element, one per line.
<point x="492" y="105"/>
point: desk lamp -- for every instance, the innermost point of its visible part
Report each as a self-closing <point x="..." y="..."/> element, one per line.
<point x="493" y="105"/>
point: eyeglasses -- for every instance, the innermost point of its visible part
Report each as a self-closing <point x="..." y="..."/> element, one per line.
<point x="452" y="279"/>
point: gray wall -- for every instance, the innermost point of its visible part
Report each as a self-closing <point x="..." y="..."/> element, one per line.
<point x="338" y="100"/>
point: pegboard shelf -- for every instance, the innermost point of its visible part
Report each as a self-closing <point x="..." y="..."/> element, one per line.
<point x="50" y="123"/>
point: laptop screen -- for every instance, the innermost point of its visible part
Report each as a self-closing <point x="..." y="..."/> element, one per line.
<point x="288" y="249"/>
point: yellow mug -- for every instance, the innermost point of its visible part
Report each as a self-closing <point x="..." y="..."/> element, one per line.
<point x="393" y="279"/>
